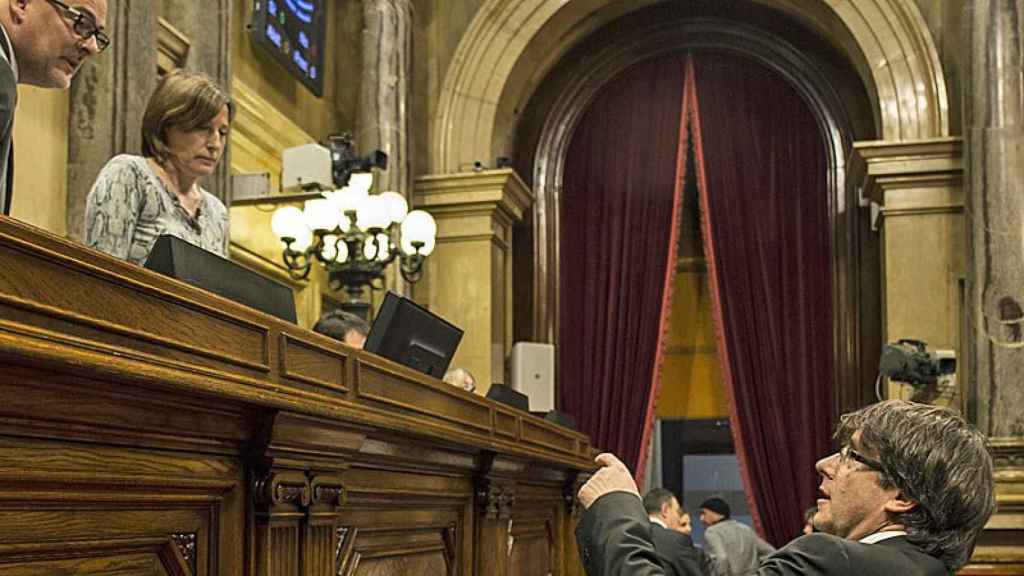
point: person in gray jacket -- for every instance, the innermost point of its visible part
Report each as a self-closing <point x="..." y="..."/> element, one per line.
<point x="907" y="493"/>
<point x="42" y="43"/>
<point x="733" y="548"/>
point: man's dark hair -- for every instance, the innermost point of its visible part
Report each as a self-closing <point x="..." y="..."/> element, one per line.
<point x="656" y="498"/>
<point x="718" y="506"/>
<point x="337" y="324"/>
<point x="933" y="456"/>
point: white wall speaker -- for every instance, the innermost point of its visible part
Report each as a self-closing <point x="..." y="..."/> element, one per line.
<point x="533" y="373"/>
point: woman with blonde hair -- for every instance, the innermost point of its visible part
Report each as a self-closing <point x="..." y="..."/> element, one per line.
<point x="135" y="199"/>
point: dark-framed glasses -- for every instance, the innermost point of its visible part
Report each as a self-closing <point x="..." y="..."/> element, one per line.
<point x="848" y="454"/>
<point x="84" y="25"/>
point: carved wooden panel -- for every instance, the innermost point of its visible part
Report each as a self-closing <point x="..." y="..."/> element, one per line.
<point x="440" y="402"/>
<point x="107" y="523"/>
<point x="131" y="316"/>
<point x="319" y="367"/>
<point x="532" y="542"/>
<point x="134" y="556"/>
<point x="399" y="551"/>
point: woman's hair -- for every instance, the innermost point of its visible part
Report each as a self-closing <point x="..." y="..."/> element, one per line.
<point x="933" y="456"/>
<point x="186" y="100"/>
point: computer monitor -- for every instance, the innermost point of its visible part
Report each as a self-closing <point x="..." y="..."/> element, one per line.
<point x="413" y="336"/>
<point x="179" y="259"/>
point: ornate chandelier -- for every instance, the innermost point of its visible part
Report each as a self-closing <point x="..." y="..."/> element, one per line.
<point x="355" y="235"/>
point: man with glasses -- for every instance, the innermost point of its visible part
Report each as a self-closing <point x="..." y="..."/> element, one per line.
<point x="907" y="494"/>
<point x="42" y="43"/>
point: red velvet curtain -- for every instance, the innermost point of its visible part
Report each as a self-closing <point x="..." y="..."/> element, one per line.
<point x="762" y="175"/>
<point x="619" y="207"/>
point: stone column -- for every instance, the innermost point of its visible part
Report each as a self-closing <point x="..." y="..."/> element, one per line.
<point x="386" y="89"/>
<point x="468" y="279"/>
<point x="993" y="103"/>
<point x="994" y="130"/>
<point x="386" y="96"/>
<point x="108" y="98"/>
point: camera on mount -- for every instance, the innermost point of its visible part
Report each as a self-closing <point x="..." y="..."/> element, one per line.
<point x="910" y="361"/>
<point x="345" y="162"/>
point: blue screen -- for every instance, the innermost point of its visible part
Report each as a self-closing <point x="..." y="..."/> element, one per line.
<point x="292" y="32"/>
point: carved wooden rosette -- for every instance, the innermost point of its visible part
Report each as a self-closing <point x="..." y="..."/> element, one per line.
<point x="186" y="543"/>
<point x="496" y="498"/>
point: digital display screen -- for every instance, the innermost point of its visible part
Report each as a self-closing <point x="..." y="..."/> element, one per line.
<point x="292" y="31"/>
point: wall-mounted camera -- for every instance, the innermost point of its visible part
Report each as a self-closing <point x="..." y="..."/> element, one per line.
<point x="910" y="362"/>
<point x="345" y="162"/>
<point x="312" y="167"/>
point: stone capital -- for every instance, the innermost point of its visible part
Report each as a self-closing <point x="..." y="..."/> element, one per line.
<point x="883" y="167"/>
<point x="501" y="193"/>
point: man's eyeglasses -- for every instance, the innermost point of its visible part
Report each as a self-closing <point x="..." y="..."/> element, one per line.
<point x="84" y="25"/>
<point x="846" y="454"/>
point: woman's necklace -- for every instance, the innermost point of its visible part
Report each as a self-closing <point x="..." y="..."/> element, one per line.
<point x="189" y="200"/>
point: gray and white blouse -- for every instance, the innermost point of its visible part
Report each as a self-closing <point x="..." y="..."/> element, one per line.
<point x="129" y="206"/>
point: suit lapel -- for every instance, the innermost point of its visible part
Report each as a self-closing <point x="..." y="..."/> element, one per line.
<point x="10" y="180"/>
<point x="10" y="150"/>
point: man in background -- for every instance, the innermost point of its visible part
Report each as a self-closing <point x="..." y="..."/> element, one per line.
<point x="674" y="547"/>
<point x="733" y="548"/>
<point x="907" y="493"/>
<point x="42" y="43"/>
<point x="343" y="326"/>
<point x="685" y="526"/>
<point x="460" y="378"/>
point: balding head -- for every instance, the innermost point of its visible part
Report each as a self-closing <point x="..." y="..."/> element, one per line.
<point x="51" y="38"/>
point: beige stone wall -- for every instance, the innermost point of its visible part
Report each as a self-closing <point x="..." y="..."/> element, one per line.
<point x="944" y="20"/>
<point x="41" y="158"/>
<point x="439" y="26"/>
<point x="319" y="117"/>
<point x="691" y="377"/>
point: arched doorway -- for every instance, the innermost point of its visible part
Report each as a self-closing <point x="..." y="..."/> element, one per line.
<point x="524" y="69"/>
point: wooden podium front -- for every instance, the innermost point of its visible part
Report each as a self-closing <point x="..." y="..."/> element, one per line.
<point x="147" y="427"/>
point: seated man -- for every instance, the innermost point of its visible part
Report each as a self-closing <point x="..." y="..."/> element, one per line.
<point x="907" y="494"/>
<point x="344" y="326"/>
<point x="460" y="378"/>
<point x="675" y="549"/>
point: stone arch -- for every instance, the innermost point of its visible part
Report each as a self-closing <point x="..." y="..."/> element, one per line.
<point x="886" y="40"/>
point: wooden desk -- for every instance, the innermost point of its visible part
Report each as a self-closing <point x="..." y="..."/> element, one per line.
<point x="147" y="427"/>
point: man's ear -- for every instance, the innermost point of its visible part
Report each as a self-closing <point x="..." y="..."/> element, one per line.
<point x="18" y="9"/>
<point x="900" y="504"/>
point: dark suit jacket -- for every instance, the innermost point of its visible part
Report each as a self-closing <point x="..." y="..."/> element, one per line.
<point x="8" y="100"/>
<point x="676" y="551"/>
<point x="614" y="538"/>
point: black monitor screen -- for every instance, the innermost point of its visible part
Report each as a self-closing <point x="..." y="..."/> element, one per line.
<point x="293" y="32"/>
<point x="411" y="335"/>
